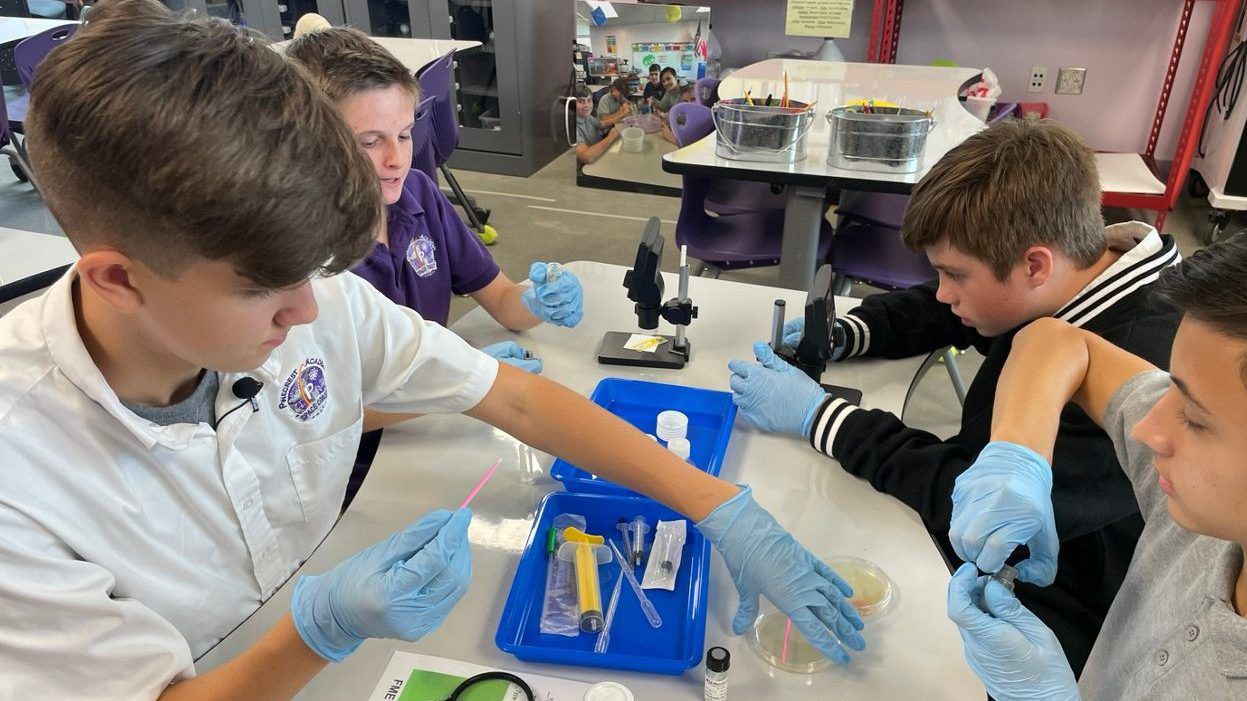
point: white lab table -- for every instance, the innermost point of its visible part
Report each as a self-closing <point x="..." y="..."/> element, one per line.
<point x="414" y="53"/>
<point x="832" y="84"/>
<point x="14" y="28"/>
<point x="642" y="168"/>
<point x="432" y="462"/>
<point x="30" y="261"/>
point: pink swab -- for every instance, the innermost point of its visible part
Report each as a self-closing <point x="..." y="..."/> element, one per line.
<point x="485" y="478"/>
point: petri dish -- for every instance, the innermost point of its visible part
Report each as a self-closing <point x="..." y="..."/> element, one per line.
<point x="873" y="591"/>
<point x="784" y="647"/>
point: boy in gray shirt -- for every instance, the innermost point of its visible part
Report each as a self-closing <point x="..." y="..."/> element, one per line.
<point x="614" y="105"/>
<point x="590" y="142"/>
<point x="1176" y="629"/>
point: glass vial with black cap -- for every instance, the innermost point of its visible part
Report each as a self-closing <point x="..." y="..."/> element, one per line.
<point x="717" y="662"/>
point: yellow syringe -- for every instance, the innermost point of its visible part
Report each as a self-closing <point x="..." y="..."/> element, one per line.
<point x="587" y="552"/>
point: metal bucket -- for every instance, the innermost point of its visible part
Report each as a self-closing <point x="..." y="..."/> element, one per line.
<point x="745" y="132"/>
<point x="885" y="140"/>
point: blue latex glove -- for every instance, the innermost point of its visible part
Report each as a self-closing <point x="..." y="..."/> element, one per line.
<point x="559" y="302"/>
<point x="1005" y="500"/>
<point x="513" y="353"/>
<point x="1011" y="651"/>
<point x="794" y="328"/>
<point x="765" y="559"/>
<point x="773" y="395"/>
<point x="402" y="587"/>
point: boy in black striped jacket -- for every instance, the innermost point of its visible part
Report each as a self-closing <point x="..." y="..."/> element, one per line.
<point x="1011" y="221"/>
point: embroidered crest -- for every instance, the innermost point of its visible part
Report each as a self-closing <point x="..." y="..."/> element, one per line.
<point x="420" y="255"/>
<point x="305" y="392"/>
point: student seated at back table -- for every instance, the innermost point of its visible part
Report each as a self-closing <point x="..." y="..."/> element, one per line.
<point x="180" y="410"/>
<point x="653" y="88"/>
<point x="1011" y="221"/>
<point x="425" y="252"/>
<point x="591" y="143"/>
<point x="687" y="94"/>
<point x="671" y="91"/>
<point x="614" y="105"/>
<point x="1176" y="630"/>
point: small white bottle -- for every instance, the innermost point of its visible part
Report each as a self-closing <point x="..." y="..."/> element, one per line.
<point x="717" y="662"/>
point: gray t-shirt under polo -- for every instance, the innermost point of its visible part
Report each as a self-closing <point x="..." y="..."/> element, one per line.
<point x="1172" y="632"/>
<point x="200" y="407"/>
<point x="608" y="105"/>
<point x="588" y="130"/>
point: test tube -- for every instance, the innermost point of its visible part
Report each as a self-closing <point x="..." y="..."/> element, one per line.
<point x="553" y="270"/>
<point x="1006" y="575"/>
<point x="777" y="326"/>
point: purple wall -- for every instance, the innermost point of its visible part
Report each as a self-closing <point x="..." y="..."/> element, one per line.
<point x="1123" y="44"/>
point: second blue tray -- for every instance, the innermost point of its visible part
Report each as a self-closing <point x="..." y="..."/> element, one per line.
<point x="710" y="417"/>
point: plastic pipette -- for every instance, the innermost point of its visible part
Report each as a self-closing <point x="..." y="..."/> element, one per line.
<point x="479" y="485"/>
<point x="651" y="613"/>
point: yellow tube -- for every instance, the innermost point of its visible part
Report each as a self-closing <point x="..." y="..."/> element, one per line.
<point x="588" y="588"/>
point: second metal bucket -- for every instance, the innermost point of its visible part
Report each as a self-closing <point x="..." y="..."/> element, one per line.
<point x="884" y="140"/>
<point x="745" y="132"/>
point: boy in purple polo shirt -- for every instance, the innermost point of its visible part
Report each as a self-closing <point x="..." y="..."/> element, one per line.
<point x="425" y="253"/>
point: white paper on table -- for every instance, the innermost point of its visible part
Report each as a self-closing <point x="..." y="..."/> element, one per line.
<point x="1126" y="172"/>
<point x="390" y="686"/>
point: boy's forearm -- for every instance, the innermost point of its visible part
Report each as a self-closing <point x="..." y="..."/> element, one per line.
<point x="1046" y="367"/>
<point x="556" y="420"/>
<point x="276" y="667"/>
<point x="505" y="305"/>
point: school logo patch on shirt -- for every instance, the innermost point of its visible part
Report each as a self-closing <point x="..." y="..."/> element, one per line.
<point x="420" y="255"/>
<point x="305" y="392"/>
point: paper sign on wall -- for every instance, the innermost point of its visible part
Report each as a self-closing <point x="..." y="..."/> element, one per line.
<point x="819" y="18"/>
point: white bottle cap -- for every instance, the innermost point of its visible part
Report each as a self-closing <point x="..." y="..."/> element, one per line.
<point x="608" y="691"/>
<point x="681" y="447"/>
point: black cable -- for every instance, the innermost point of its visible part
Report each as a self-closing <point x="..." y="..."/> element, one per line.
<point x="221" y="418"/>
<point x="490" y="676"/>
<point x="1229" y="82"/>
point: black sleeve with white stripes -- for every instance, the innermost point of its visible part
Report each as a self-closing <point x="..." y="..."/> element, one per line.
<point x="902" y="324"/>
<point x="912" y="465"/>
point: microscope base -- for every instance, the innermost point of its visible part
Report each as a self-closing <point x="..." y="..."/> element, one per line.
<point x="612" y="352"/>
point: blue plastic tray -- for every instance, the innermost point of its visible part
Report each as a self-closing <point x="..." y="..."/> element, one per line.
<point x="634" y="645"/>
<point x="710" y="418"/>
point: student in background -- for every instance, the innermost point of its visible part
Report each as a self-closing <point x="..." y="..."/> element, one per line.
<point x="687" y="94"/>
<point x="1010" y="220"/>
<point x="653" y="88"/>
<point x="425" y="253"/>
<point x="615" y="105"/>
<point x="671" y="91"/>
<point x="591" y="143"/>
<point x="190" y="393"/>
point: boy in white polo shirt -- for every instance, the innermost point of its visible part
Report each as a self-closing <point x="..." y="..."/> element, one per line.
<point x="179" y="413"/>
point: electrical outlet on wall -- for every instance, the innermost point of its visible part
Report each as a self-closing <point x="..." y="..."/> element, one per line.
<point x="1038" y="79"/>
<point x="1069" y="81"/>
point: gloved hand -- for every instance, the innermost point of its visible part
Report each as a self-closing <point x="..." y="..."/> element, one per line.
<point x="1005" y="500"/>
<point x="793" y="330"/>
<point x="513" y="353"/>
<point x="774" y="396"/>
<point x="1014" y="654"/>
<point x="402" y="587"/>
<point x="560" y="301"/>
<point x="763" y="558"/>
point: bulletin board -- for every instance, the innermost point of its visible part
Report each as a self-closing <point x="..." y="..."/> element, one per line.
<point x="678" y="55"/>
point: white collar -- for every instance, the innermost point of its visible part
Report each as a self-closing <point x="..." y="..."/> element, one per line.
<point x="69" y="354"/>
<point x="1145" y="254"/>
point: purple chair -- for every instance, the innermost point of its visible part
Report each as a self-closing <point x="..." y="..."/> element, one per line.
<point x="30" y="52"/>
<point x="437" y="81"/>
<point x="11" y="146"/>
<point x="690" y="122"/>
<point x="421" y="147"/>
<point x="872" y="251"/>
<point x="707" y="91"/>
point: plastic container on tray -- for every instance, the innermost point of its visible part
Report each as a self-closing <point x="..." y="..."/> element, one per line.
<point x="710" y="417"/>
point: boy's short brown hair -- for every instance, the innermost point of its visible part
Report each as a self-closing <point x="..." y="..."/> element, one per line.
<point x="344" y="61"/>
<point x="621" y="84"/>
<point x="1011" y="186"/>
<point x="175" y="140"/>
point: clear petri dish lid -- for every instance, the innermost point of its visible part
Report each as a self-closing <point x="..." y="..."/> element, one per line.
<point x="782" y="645"/>
<point x="873" y="590"/>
